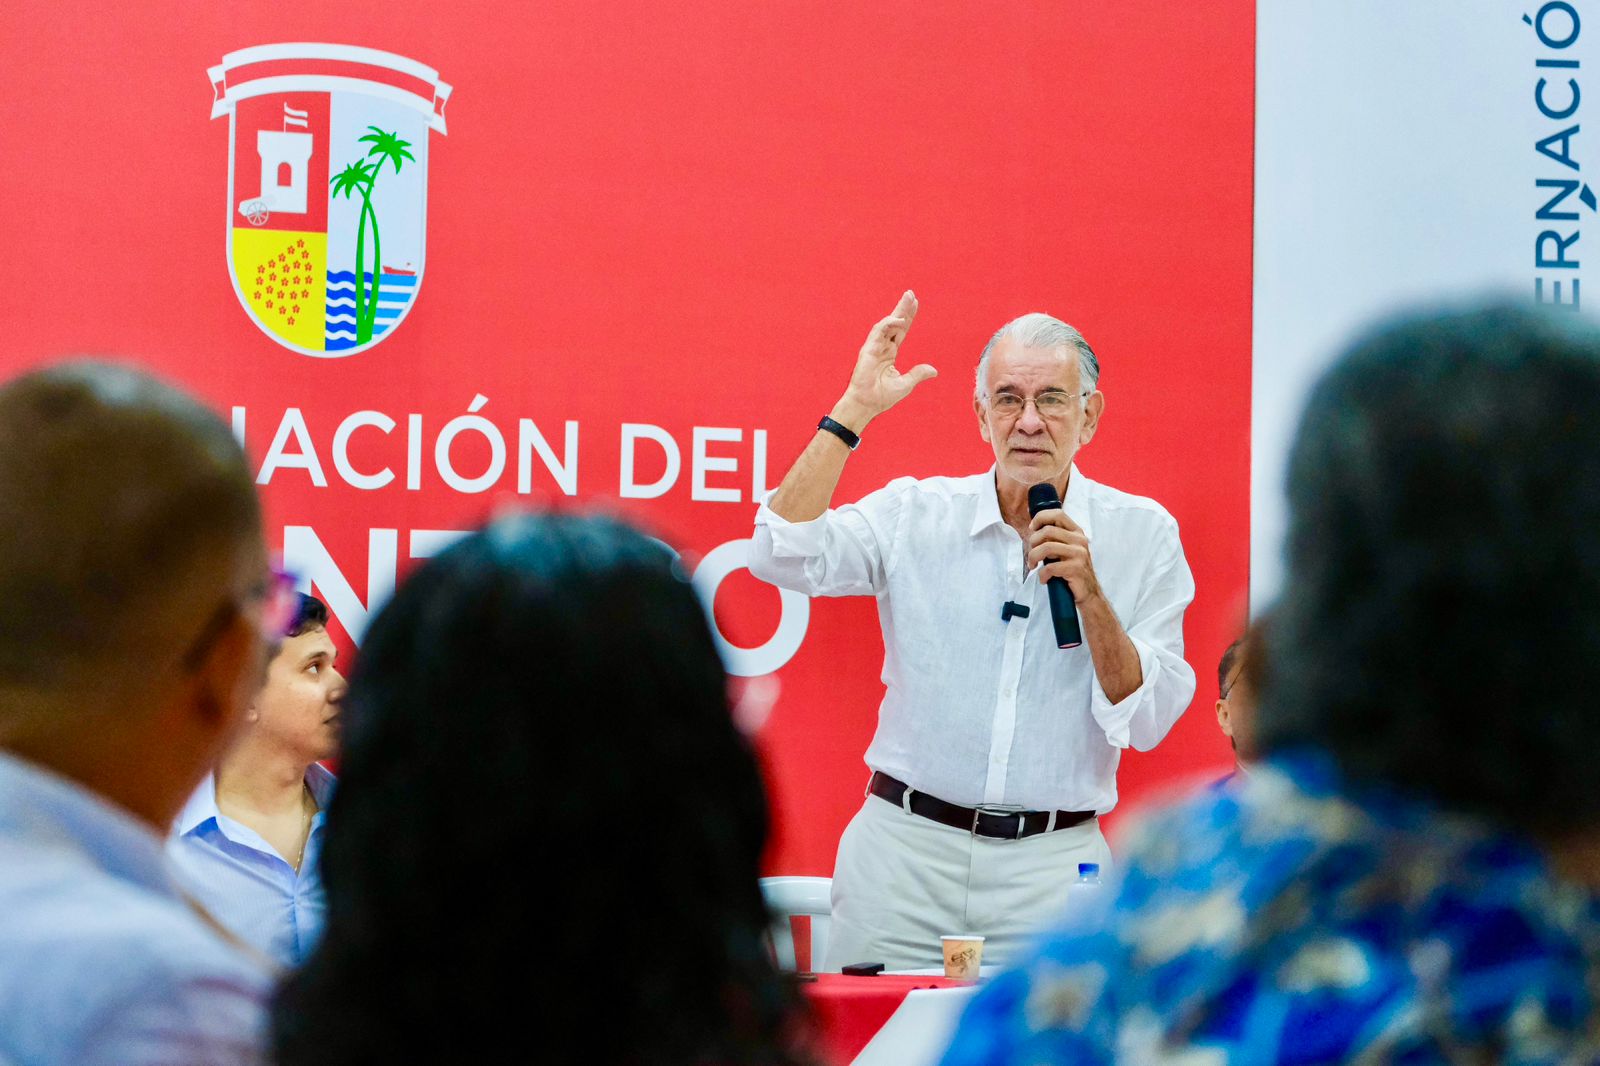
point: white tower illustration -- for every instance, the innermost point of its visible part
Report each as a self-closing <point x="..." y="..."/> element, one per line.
<point x="285" y="162"/>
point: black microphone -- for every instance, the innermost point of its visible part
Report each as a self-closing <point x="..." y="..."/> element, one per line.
<point x="1063" y="608"/>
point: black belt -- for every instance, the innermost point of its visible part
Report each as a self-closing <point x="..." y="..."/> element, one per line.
<point x="980" y="821"/>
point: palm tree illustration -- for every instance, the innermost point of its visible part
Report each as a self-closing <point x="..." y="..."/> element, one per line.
<point x="360" y="177"/>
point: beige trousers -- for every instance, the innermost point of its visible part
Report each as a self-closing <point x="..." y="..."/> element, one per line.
<point x="902" y="881"/>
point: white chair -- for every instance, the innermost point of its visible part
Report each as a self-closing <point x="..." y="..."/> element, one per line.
<point x="792" y="897"/>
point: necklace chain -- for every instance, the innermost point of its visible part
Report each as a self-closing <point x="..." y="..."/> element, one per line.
<point x="309" y="810"/>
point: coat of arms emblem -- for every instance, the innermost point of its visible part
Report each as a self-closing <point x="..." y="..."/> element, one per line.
<point x="327" y="189"/>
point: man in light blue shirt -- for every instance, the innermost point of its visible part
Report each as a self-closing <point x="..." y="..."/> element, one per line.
<point x="136" y="611"/>
<point x="255" y="892"/>
<point x="247" y="843"/>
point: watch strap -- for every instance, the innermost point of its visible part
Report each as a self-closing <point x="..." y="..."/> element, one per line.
<point x="852" y="440"/>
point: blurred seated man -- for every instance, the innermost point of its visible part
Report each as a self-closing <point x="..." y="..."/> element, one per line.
<point x="136" y="608"/>
<point x="1410" y="875"/>
<point x="1236" y="702"/>
<point x="246" y="843"/>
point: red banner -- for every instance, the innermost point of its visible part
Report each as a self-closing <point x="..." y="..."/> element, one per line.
<point x="654" y="239"/>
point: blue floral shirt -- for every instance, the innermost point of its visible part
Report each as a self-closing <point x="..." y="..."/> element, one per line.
<point x="1281" y="920"/>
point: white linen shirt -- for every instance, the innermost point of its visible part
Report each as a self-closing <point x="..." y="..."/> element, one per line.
<point x="977" y="710"/>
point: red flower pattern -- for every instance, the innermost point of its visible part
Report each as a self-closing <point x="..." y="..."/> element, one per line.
<point x="280" y="292"/>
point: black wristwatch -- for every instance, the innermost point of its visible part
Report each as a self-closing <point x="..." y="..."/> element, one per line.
<point x="851" y="440"/>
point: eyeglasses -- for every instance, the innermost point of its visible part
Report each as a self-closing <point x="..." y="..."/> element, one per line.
<point x="1050" y="405"/>
<point x="280" y="602"/>
<point x="1233" y="679"/>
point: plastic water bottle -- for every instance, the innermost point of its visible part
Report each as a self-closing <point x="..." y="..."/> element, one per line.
<point x="1087" y="897"/>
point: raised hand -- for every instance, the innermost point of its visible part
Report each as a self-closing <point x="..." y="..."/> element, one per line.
<point x="877" y="384"/>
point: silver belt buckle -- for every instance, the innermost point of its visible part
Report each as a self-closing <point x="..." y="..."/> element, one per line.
<point x="999" y="810"/>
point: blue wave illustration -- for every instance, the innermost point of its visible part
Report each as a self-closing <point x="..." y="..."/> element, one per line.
<point x="348" y="277"/>
<point x="394" y="293"/>
<point x="339" y="340"/>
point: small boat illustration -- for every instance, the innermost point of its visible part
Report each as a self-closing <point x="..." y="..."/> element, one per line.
<point x="402" y="271"/>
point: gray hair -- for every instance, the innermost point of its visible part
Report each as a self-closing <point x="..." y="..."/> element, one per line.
<point x="1039" y="330"/>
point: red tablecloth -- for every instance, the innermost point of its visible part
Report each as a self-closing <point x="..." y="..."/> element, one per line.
<point x="851" y="1010"/>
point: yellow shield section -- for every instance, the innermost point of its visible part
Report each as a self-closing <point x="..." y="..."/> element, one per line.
<point x="282" y="276"/>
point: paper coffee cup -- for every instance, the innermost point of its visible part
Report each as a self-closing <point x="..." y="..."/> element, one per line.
<point x="963" y="954"/>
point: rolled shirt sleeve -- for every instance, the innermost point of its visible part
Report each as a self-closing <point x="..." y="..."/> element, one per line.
<point x="843" y="552"/>
<point x="1142" y="718"/>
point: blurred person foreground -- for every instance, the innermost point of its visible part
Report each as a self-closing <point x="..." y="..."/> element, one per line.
<point x="138" y="610"/>
<point x="1410" y="874"/>
<point x="542" y="790"/>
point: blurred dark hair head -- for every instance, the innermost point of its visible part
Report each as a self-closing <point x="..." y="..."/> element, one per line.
<point x="545" y="811"/>
<point x="1439" y="629"/>
<point x="309" y="613"/>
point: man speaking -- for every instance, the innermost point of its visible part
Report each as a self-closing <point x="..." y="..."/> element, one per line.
<point x="996" y="747"/>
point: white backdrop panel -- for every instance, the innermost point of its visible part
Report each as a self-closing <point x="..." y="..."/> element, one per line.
<point x="1396" y="163"/>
